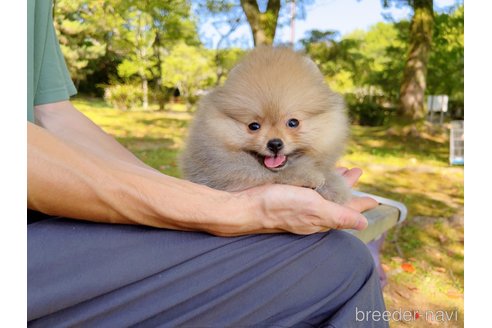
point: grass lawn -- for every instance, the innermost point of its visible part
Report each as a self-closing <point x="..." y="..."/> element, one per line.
<point x="423" y="257"/>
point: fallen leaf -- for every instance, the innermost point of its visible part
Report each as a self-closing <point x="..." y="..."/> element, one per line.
<point x="440" y="269"/>
<point x="408" y="267"/>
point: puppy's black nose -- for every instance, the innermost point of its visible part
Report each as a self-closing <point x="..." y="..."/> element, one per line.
<point x="275" y="145"/>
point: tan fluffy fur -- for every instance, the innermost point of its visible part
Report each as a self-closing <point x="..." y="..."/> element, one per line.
<point x="269" y="86"/>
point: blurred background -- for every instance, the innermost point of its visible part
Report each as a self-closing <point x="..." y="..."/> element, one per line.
<point x="140" y="68"/>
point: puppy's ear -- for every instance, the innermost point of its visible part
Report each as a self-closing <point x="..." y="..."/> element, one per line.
<point x="311" y="65"/>
<point x="235" y="69"/>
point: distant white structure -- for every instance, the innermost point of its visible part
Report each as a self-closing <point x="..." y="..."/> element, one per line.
<point x="457" y="143"/>
<point x="437" y="104"/>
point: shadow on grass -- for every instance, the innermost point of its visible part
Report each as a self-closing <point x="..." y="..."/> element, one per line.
<point x="436" y="242"/>
<point x="424" y="193"/>
<point x="165" y="122"/>
<point x="429" y="233"/>
<point x="384" y="142"/>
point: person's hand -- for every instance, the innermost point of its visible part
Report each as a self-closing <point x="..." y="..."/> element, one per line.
<point x="303" y="211"/>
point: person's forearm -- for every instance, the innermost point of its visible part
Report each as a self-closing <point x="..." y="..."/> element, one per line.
<point x="69" y="181"/>
<point x="76" y="170"/>
<point x="64" y="121"/>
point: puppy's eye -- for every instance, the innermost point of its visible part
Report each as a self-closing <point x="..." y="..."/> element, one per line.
<point x="293" y="123"/>
<point x="254" y="126"/>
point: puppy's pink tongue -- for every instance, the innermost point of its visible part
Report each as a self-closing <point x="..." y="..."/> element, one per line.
<point x="274" y="161"/>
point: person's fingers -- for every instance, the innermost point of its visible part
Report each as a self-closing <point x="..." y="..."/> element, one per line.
<point x="342" y="217"/>
<point x="352" y="175"/>
<point x="362" y="204"/>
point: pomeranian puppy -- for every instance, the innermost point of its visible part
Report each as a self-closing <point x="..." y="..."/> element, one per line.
<point x="273" y="121"/>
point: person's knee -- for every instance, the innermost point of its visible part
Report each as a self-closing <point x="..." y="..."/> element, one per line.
<point x="353" y="254"/>
<point x="344" y="268"/>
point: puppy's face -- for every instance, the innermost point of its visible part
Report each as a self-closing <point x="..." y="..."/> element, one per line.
<point x="276" y="107"/>
<point x="273" y="137"/>
<point x="273" y="140"/>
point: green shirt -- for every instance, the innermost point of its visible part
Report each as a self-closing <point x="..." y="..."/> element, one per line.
<point x="48" y="79"/>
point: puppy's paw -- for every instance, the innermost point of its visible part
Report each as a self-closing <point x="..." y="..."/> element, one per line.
<point x="306" y="179"/>
<point x="335" y="189"/>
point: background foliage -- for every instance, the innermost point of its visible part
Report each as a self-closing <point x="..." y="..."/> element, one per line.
<point x="154" y="46"/>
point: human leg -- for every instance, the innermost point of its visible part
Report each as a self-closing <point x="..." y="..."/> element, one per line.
<point x="89" y="274"/>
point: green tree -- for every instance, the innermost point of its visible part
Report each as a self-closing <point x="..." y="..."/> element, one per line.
<point x="413" y="85"/>
<point x="263" y="23"/>
<point x="172" y="23"/>
<point x="79" y="39"/>
<point x="190" y="69"/>
<point x="379" y="64"/>
<point x="366" y="63"/>
<point x="337" y="59"/>
<point x="114" y="41"/>
<point x="138" y="39"/>
<point x="263" y="17"/>
<point x="370" y="64"/>
<point x="151" y="29"/>
<point x="224" y="61"/>
<point x="446" y="62"/>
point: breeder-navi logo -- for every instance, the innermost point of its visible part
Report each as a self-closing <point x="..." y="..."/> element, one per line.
<point x="406" y="315"/>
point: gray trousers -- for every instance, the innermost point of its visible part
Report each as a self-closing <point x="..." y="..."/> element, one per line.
<point x="100" y="275"/>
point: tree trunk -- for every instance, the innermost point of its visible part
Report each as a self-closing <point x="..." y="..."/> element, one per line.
<point x="159" y="90"/>
<point x="263" y="25"/>
<point x="413" y="86"/>
<point x="145" y="92"/>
